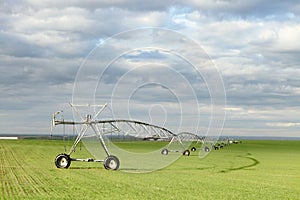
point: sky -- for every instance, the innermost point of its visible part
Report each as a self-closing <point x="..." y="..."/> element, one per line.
<point x="245" y="76"/>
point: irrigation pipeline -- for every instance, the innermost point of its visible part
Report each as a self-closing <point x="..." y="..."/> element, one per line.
<point x="115" y="121"/>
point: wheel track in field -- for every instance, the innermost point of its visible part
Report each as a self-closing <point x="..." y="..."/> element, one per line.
<point x="254" y="162"/>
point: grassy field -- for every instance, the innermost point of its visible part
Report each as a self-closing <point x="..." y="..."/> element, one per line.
<point x="251" y="170"/>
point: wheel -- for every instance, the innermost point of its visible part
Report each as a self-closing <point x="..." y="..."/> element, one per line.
<point x="206" y="149"/>
<point x="186" y="153"/>
<point x="193" y="149"/>
<point x="111" y="162"/>
<point x="63" y="161"/>
<point x="164" y="152"/>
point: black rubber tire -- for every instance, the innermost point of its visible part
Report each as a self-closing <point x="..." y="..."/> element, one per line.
<point x="164" y="152"/>
<point x="193" y="149"/>
<point x="63" y="161"/>
<point x="206" y="149"/>
<point x="186" y="153"/>
<point x="111" y="163"/>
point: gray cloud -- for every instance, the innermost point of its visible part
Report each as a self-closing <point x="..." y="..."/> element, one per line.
<point x="215" y="8"/>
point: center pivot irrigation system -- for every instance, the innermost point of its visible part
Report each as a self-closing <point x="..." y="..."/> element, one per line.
<point x="181" y="143"/>
<point x="105" y="130"/>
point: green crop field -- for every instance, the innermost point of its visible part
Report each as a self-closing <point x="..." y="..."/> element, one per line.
<point x="250" y="170"/>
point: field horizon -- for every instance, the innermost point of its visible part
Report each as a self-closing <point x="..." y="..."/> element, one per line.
<point x="237" y="137"/>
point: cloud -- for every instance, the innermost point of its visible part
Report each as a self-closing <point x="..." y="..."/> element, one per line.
<point x="286" y="38"/>
<point x="215" y="8"/>
<point x="281" y="124"/>
<point x="253" y="44"/>
<point x="134" y="5"/>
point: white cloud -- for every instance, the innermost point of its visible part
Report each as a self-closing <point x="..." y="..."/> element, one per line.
<point x="283" y="124"/>
<point x="287" y="36"/>
<point x="233" y="108"/>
